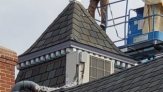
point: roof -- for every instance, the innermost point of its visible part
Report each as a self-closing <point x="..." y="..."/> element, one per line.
<point x="142" y="78"/>
<point x="74" y="24"/>
<point x="50" y="74"/>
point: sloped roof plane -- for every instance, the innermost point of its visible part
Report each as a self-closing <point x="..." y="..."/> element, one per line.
<point x="75" y="24"/>
<point x="147" y="77"/>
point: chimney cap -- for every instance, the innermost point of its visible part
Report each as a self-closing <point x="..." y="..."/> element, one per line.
<point x="6" y="49"/>
<point x="8" y="54"/>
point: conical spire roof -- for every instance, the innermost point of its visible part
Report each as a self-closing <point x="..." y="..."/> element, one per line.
<point x="74" y="23"/>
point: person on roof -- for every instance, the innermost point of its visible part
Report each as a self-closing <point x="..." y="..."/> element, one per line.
<point x="154" y="23"/>
<point x="103" y="4"/>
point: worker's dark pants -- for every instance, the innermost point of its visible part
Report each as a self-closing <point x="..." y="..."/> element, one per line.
<point x="93" y="5"/>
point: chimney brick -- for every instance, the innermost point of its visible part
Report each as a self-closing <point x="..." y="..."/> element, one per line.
<point x="8" y="60"/>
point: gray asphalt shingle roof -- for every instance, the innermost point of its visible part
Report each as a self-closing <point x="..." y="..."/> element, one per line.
<point x="147" y="77"/>
<point x="75" y="24"/>
<point x="50" y="74"/>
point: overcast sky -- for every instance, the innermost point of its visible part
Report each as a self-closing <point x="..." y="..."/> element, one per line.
<point x="23" y="21"/>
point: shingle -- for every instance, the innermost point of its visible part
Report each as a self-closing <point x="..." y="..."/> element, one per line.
<point x="55" y="33"/>
<point x="19" y="76"/>
<point x="63" y="36"/>
<point x="93" y="34"/>
<point x="52" y="74"/>
<point x="154" y="83"/>
<point x="87" y="20"/>
<point x="100" y="36"/>
<point x="63" y="24"/>
<point x="76" y="11"/>
<point x="53" y="82"/>
<point x="47" y="35"/>
<point x="56" y="38"/>
<point x="100" y="42"/>
<point x="70" y="17"/>
<point x="77" y="22"/>
<point x="76" y="34"/>
<point x="93" y="40"/>
<point x="36" y="71"/>
<point x="136" y="79"/>
<point x="86" y="26"/>
<point x="76" y="17"/>
<point x="50" y="66"/>
<point x="83" y="41"/>
<point x="44" y="76"/>
<point x="57" y="64"/>
<point x="37" y="78"/>
<point x="31" y="79"/>
<point x="94" y="28"/>
<point x="62" y="19"/>
<point x="85" y="32"/>
<point x="107" y="44"/>
<point x="40" y="43"/>
<point x="59" y="72"/>
<point x="63" y="30"/>
<point x="61" y="79"/>
<point x="63" y="62"/>
<point x="43" y="68"/>
<point x="77" y="28"/>
<point x="99" y="46"/>
<point x="46" y="83"/>
<point x="48" y="41"/>
<point x="157" y="77"/>
<point x="28" y="73"/>
<point x="40" y="83"/>
<point x="64" y="70"/>
<point x="134" y="89"/>
<point x="85" y="37"/>
<point x="54" y="26"/>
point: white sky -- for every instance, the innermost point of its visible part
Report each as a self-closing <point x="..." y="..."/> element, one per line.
<point x="23" y="21"/>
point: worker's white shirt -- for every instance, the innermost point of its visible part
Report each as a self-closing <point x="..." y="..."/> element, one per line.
<point x="151" y="2"/>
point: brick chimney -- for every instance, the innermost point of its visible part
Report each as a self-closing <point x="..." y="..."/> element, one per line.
<point x="8" y="60"/>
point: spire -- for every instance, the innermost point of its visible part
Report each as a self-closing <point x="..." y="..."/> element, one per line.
<point x="75" y="24"/>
